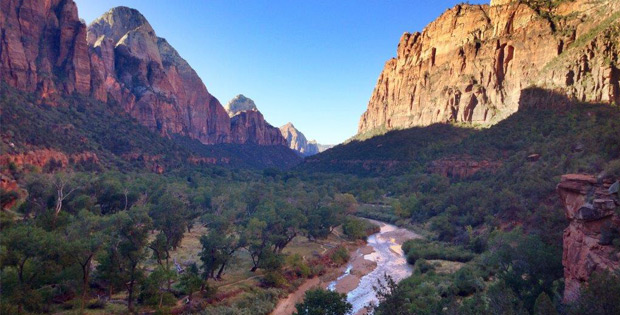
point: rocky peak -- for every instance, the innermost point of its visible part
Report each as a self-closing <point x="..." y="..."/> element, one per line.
<point x="297" y="141"/>
<point x="591" y="207"/>
<point x="239" y="104"/>
<point x="116" y="23"/>
<point x="501" y="2"/>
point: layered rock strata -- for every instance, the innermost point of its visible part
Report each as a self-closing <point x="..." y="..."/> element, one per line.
<point x="298" y="142"/>
<point x="46" y="49"/>
<point x="591" y="206"/>
<point x="471" y="64"/>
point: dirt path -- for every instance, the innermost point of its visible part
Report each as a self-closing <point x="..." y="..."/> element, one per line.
<point x="287" y="306"/>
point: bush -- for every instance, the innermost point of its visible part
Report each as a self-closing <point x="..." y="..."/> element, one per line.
<point x="466" y="282"/>
<point x="359" y="229"/>
<point x="339" y="256"/>
<point x="600" y="297"/>
<point x="298" y="266"/>
<point x="418" y="248"/>
<point x="423" y="266"/>
<point x="274" y="279"/>
<point x="320" y="301"/>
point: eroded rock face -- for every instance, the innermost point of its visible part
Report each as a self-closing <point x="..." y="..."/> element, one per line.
<point x="461" y="167"/>
<point x="239" y="104"/>
<point x="298" y="142"/>
<point x="146" y="75"/>
<point x="471" y="64"/>
<point x="43" y="48"/>
<point x="248" y="126"/>
<point x="591" y="210"/>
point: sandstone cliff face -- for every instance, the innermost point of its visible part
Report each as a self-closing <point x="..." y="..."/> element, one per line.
<point x="461" y="166"/>
<point x="591" y="210"/>
<point x="248" y="126"/>
<point x="143" y="73"/>
<point x="43" y="47"/>
<point x="297" y="141"/>
<point x="46" y="49"/>
<point x="471" y="64"/>
<point x="239" y="104"/>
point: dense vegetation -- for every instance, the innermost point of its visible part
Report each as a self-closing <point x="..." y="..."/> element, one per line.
<point x="90" y="235"/>
<point x="77" y="124"/>
<point x="77" y="234"/>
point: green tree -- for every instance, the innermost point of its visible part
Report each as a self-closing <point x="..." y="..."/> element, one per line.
<point x="85" y="237"/>
<point x="126" y="250"/>
<point x="217" y="249"/>
<point x="323" y="302"/>
<point x="32" y="252"/>
<point x="544" y="306"/>
<point x="191" y="281"/>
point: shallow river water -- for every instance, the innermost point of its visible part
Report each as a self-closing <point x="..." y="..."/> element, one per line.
<point x="390" y="260"/>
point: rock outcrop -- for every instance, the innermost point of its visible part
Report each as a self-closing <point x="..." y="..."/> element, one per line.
<point x="592" y="210"/>
<point x="461" y="167"/>
<point x="471" y="64"/>
<point x="239" y="104"/>
<point x="45" y="49"/>
<point x="145" y="75"/>
<point x="248" y="126"/>
<point x="297" y="141"/>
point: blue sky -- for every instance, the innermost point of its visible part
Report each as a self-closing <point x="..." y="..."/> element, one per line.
<point x="313" y="63"/>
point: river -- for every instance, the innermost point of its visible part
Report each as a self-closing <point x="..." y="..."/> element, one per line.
<point x="382" y="255"/>
<point x="390" y="259"/>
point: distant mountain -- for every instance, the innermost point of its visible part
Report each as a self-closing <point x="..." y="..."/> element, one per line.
<point x="47" y="52"/>
<point x="239" y="104"/>
<point x="118" y="59"/>
<point x="298" y="142"/>
<point x="248" y="124"/>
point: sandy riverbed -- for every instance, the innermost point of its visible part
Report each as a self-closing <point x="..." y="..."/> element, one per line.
<point x="368" y="264"/>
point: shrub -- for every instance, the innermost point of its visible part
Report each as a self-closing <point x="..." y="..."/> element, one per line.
<point x="320" y="301"/>
<point x="360" y="229"/>
<point x="423" y="266"/>
<point x="339" y="256"/>
<point x="418" y="248"/>
<point x="274" y="279"/>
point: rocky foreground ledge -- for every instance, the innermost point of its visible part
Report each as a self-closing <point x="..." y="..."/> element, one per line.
<point x="591" y="206"/>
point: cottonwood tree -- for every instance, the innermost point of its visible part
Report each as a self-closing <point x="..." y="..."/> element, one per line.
<point x="217" y="249"/>
<point x="126" y="251"/>
<point x="27" y="249"/>
<point x="169" y="215"/>
<point x="84" y="238"/>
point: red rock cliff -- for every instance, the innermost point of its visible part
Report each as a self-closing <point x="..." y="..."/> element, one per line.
<point x="46" y="49"/>
<point x="143" y="73"/>
<point x="591" y="210"/>
<point x="471" y="64"/>
<point x="43" y="47"/>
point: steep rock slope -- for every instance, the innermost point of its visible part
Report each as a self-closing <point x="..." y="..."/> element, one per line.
<point x="43" y="47"/>
<point x="471" y="64"/>
<point x="591" y="208"/>
<point x="248" y="124"/>
<point x="46" y="49"/>
<point x="145" y="75"/>
<point x="297" y="141"/>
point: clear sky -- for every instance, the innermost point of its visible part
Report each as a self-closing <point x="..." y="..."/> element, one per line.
<point x="314" y="62"/>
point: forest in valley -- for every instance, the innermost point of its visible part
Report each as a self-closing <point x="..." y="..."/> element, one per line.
<point x="110" y="237"/>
